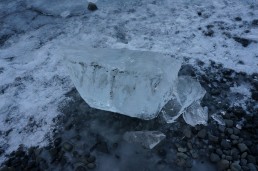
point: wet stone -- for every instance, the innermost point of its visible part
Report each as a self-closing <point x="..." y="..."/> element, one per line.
<point x="251" y="159"/>
<point x="255" y="22"/>
<point x="223" y="165"/>
<point x="91" y="165"/>
<point x="80" y="168"/>
<point x="243" y="162"/>
<point x="187" y="132"/>
<point x="67" y="147"/>
<point x="214" y="157"/>
<point x="180" y="149"/>
<point x="243" y="41"/>
<point x="251" y="166"/>
<point x="242" y="147"/>
<point x="92" y="6"/>
<point x="235" y="166"/>
<point x="229" y="123"/>
<point x="202" y="133"/>
<point x="57" y="141"/>
<point x="162" y="152"/>
<point x="243" y="155"/>
<point x="91" y="159"/>
<point x="234" y="137"/>
<point x="225" y="144"/>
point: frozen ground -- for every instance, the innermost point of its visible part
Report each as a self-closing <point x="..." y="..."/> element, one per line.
<point x="33" y="81"/>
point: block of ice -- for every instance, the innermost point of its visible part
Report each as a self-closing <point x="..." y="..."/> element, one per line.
<point x="187" y="96"/>
<point x="147" y="139"/>
<point x="133" y="83"/>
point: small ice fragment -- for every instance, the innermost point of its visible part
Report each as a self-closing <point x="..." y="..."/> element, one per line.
<point x="186" y="100"/>
<point x="147" y="139"/>
<point x="218" y="119"/>
<point x="65" y="14"/>
<point x="195" y="114"/>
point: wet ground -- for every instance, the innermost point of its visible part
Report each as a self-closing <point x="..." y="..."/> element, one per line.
<point x="87" y="138"/>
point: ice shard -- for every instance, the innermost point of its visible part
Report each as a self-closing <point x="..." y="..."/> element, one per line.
<point x="188" y="94"/>
<point x="133" y="83"/>
<point x="147" y="139"/>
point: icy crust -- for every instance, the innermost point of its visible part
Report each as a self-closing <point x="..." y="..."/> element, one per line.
<point x="133" y="83"/>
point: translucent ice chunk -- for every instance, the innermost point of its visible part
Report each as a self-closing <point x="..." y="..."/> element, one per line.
<point x="147" y="139"/>
<point x="187" y="96"/>
<point x="219" y="119"/>
<point x="133" y="83"/>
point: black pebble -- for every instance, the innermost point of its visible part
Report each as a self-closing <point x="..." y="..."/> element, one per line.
<point x="92" y="6"/>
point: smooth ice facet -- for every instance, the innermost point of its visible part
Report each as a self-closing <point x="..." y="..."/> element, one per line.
<point x="187" y="96"/>
<point x="133" y="83"/>
<point x="147" y="139"/>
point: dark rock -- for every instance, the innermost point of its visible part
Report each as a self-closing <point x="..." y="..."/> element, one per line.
<point x="214" y="158"/>
<point x="67" y="146"/>
<point x="57" y="141"/>
<point x="243" y="41"/>
<point x="202" y="133"/>
<point x="213" y="138"/>
<point x="245" y="168"/>
<point x="189" y="163"/>
<point x="91" y="165"/>
<point x="181" y="162"/>
<point x="91" y="159"/>
<point x="243" y="162"/>
<point x="219" y="152"/>
<point x="194" y="154"/>
<point x="242" y="147"/>
<point x="208" y="33"/>
<point x="80" y="168"/>
<point x="183" y="150"/>
<point x="221" y="128"/>
<point x="92" y="6"/>
<point x="187" y="70"/>
<point x="162" y="152"/>
<point x="101" y="146"/>
<point x="225" y="144"/>
<point x="229" y="123"/>
<point x="235" y="153"/>
<point x="244" y="155"/>
<point x="255" y="95"/>
<point x="234" y="137"/>
<point x="199" y="13"/>
<point x="238" y="19"/>
<point x="187" y="132"/>
<point x="229" y="158"/>
<point x="252" y="167"/>
<point x="236" y="131"/>
<point x="255" y="22"/>
<point x="230" y="131"/>
<point x="4" y="38"/>
<point x="182" y="155"/>
<point x="1" y="151"/>
<point x="251" y="159"/>
<point x="235" y="166"/>
<point x="215" y="91"/>
<point x="223" y="165"/>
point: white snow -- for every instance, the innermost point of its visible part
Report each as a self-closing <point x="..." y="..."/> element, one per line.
<point x="33" y="80"/>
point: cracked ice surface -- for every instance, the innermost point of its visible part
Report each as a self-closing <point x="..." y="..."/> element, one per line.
<point x="187" y="96"/>
<point x="148" y="139"/>
<point x="133" y="83"/>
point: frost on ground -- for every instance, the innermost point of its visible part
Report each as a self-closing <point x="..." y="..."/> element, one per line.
<point x="33" y="80"/>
